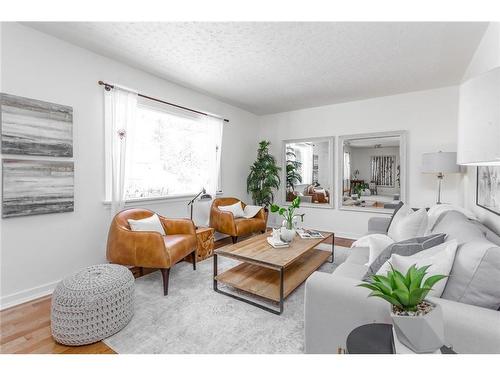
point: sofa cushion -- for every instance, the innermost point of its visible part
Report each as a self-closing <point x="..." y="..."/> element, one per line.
<point x="458" y="227"/>
<point x="350" y="270"/>
<point x="358" y="255"/>
<point x="148" y="224"/>
<point x="475" y="276"/>
<point x="396" y="209"/>
<point x="439" y="259"/>
<point x="404" y="248"/>
<point x="408" y="224"/>
<point x="236" y="209"/>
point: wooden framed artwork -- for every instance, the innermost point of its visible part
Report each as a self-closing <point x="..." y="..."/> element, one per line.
<point x="488" y="188"/>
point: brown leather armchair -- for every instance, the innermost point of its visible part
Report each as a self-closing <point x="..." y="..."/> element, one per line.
<point x="224" y="222"/>
<point x="150" y="249"/>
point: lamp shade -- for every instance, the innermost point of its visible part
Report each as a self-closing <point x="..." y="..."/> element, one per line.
<point x="440" y="162"/>
<point x="479" y="120"/>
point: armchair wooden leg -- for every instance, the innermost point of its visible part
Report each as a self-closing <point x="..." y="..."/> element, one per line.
<point x="234" y="238"/>
<point x="193" y="257"/>
<point x="165" y="272"/>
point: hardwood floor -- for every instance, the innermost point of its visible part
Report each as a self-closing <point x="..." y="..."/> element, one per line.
<point x="26" y="328"/>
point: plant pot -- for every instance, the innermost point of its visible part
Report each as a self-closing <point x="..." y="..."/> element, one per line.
<point x="287" y="235"/>
<point x="420" y="333"/>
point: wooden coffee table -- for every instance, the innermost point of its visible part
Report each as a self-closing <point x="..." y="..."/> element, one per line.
<point x="268" y="272"/>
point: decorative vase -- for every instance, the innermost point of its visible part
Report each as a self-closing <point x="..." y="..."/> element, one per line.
<point x="420" y="333"/>
<point x="286" y="234"/>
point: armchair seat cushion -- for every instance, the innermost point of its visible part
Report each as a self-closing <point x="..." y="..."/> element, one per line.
<point x="179" y="246"/>
<point x="248" y="226"/>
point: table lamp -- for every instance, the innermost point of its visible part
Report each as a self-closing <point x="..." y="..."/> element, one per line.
<point x="440" y="163"/>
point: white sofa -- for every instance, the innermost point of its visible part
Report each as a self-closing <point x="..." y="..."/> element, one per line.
<point x="334" y="306"/>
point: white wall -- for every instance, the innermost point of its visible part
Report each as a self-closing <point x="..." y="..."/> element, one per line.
<point x="37" y="251"/>
<point x="486" y="57"/>
<point x="430" y="117"/>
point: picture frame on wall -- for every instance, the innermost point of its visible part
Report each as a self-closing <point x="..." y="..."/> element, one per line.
<point x="488" y="188"/>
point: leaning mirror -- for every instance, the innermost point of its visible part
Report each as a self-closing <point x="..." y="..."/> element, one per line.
<point x="373" y="171"/>
<point x="308" y="171"/>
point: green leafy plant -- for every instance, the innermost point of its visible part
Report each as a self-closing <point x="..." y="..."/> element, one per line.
<point x="288" y="213"/>
<point x="293" y="177"/>
<point x="404" y="292"/>
<point x="263" y="177"/>
<point x="359" y="188"/>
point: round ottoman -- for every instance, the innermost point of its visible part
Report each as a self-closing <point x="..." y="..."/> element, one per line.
<point x="92" y="304"/>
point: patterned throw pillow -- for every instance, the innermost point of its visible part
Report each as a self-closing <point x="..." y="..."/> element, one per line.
<point x="404" y="248"/>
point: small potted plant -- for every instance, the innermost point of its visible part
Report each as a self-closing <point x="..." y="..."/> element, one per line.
<point x="288" y="213"/>
<point x="358" y="189"/>
<point x="418" y="323"/>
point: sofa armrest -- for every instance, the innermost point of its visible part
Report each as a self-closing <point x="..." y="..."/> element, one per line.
<point x="470" y="329"/>
<point x="378" y="224"/>
<point x="178" y="226"/>
<point x="334" y="306"/>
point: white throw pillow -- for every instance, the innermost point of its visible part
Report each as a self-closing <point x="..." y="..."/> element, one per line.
<point x="440" y="258"/>
<point x="235" y="209"/>
<point x="408" y="224"/>
<point x="376" y="243"/>
<point x="149" y="224"/>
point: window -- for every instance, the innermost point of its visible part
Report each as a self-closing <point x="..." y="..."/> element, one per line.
<point x="171" y="153"/>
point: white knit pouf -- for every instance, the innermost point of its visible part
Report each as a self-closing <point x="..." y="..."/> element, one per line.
<point x="92" y="304"/>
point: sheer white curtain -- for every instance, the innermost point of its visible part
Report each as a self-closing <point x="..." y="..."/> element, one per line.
<point x="120" y="119"/>
<point x="347" y="169"/>
<point x="215" y="128"/>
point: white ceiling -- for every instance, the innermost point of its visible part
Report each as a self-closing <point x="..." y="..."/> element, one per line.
<point x="272" y="67"/>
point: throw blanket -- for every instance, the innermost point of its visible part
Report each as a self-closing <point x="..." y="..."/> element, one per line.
<point x="250" y="211"/>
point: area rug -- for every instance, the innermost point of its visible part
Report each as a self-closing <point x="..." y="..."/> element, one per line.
<point x="195" y="319"/>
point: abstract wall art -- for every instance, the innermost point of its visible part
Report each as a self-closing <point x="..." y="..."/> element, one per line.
<point x="34" y="127"/>
<point x="32" y="187"/>
<point x="488" y="188"/>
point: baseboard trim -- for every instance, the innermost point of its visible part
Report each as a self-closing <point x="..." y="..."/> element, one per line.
<point x="27" y="295"/>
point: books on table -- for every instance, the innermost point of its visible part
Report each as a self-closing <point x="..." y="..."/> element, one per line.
<point x="309" y="233"/>
<point x="277" y="244"/>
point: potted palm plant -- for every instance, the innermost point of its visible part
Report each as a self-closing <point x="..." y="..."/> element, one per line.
<point x="418" y="323"/>
<point x="264" y="177"/>
<point x="288" y="213"/>
<point x="293" y="176"/>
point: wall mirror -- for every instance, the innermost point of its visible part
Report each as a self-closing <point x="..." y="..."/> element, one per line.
<point x="372" y="171"/>
<point x="308" y="171"/>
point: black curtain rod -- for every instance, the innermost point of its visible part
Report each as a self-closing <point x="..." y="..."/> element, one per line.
<point x="108" y="87"/>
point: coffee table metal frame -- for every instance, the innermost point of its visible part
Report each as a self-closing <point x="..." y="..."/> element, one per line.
<point x="279" y="269"/>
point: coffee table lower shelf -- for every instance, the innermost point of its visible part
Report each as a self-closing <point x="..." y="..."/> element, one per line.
<point x="274" y="284"/>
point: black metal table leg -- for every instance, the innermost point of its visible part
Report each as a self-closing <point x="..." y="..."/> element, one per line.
<point x="250" y="302"/>
<point x="333" y="248"/>
<point x="215" y="272"/>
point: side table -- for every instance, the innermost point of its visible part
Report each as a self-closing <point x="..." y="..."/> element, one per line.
<point x="376" y="338"/>
<point x="205" y="238"/>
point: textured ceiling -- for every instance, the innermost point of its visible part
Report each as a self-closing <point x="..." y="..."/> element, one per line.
<point x="272" y="67"/>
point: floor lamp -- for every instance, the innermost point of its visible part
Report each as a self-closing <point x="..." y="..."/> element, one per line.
<point x="440" y="163"/>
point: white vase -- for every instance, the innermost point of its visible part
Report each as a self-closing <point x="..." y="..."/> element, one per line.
<point x="421" y="333"/>
<point x="287" y="235"/>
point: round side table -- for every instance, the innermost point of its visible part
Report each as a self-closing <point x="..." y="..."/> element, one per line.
<point x="376" y="338"/>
